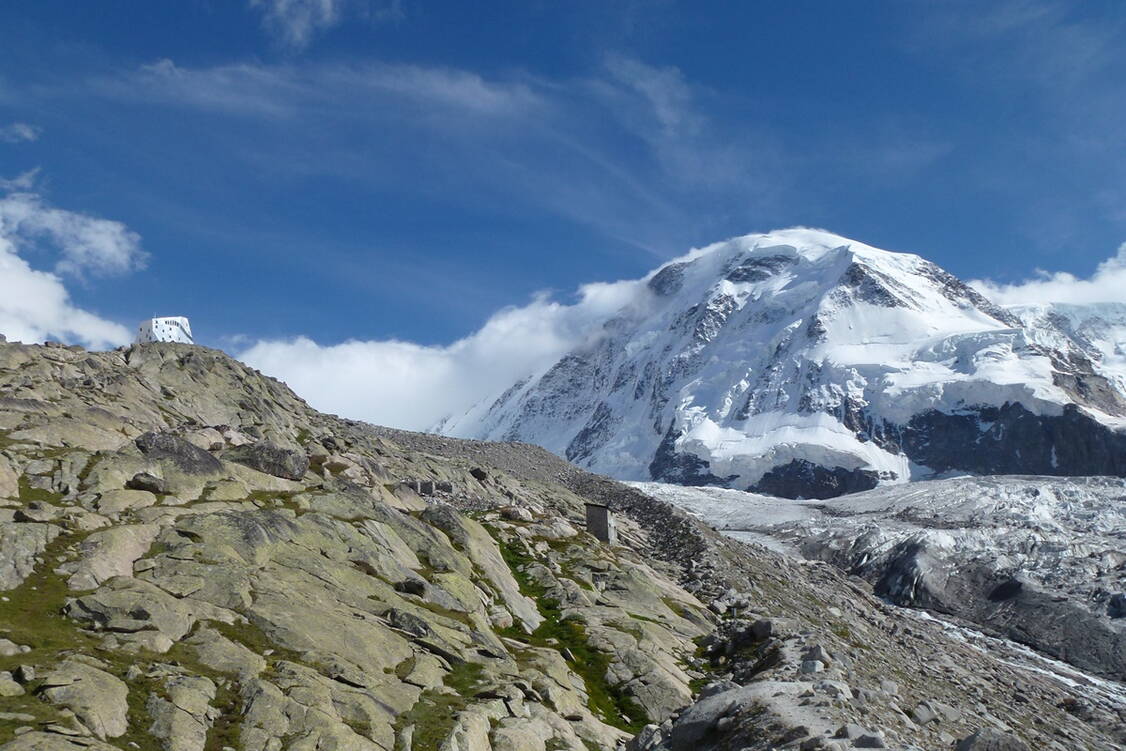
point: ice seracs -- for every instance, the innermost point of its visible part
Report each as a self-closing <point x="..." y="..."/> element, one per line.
<point x="166" y="329"/>
<point x="1037" y="559"/>
<point x="802" y="363"/>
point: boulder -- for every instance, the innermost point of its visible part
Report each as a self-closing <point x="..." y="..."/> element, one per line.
<point x="9" y="480"/>
<point x="115" y="502"/>
<point x="870" y="740"/>
<point x="516" y="513"/>
<point x="208" y="439"/>
<point x="270" y="458"/>
<point x="9" y="686"/>
<point x="1116" y="607"/>
<point x="20" y="545"/>
<point x="698" y="722"/>
<point x="988" y="739"/>
<point x="108" y="553"/>
<point x="408" y="622"/>
<point x="97" y="698"/>
<point x="126" y="605"/>
<point x="38" y="512"/>
<point x="763" y="629"/>
<point x="9" y="648"/>
<point x="148" y="482"/>
<point x="187" y="458"/>
<point x="220" y="653"/>
<point x="183" y="718"/>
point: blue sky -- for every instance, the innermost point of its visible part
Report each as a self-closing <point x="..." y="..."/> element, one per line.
<point x="373" y="170"/>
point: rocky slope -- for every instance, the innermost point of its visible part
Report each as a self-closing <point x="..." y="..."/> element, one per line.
<point x="804" y="364"/>
<point x="192" y="559"/>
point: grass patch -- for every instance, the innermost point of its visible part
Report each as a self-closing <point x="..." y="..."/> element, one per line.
<point x="676" y="607"/>
<point x="568" y="636"/>
<point x="33" y="613"/>
<point x="28" y="494"/>
<point x="33" y="616"/>
<point x="696" y="685"/>
<point x="254" y="639"/>
<point x="224" y="732"/>
<point x="435" y="713"/>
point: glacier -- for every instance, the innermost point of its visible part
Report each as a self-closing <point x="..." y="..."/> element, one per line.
<point x="1038" y="560"/>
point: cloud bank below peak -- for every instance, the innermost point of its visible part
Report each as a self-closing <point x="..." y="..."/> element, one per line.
<point x="412" y="386"/>
<point x="1106" y="284"/>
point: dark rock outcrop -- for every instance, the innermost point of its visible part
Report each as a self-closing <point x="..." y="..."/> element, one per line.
<point x="187" y="458"/>
<point x="803" y="479"/>
<point x="146" y="481"/>
<point x="670" y="465"/>
<point x="1012" y="440"/>
<point x="270" y="458"/>
<point x="593" y="435"/>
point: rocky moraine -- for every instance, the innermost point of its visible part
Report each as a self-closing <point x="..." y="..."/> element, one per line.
<point x="193" y="559"/>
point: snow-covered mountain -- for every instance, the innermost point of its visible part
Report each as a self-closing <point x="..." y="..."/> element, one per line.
<point x="804" y="364"/>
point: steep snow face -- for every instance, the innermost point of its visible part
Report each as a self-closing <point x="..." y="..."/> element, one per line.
<point x="803" y="363"/>
<point x="1096" y="332"/>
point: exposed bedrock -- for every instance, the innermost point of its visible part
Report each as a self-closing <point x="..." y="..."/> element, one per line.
<point x="803" y="479"/>
<point x="1012" y="440"/>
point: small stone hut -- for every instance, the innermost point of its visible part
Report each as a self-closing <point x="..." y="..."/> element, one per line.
<point x="600" y="523"/>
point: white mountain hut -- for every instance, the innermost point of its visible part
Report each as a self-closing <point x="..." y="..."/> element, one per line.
<point x="167" y="329"/>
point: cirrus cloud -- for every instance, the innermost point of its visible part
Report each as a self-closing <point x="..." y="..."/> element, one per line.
<point x="19" y="132"/>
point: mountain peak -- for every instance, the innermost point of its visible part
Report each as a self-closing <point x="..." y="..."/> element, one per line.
<point x="805" y="363"/>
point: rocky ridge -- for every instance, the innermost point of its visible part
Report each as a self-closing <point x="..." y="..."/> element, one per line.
<point x="193" y="559"/>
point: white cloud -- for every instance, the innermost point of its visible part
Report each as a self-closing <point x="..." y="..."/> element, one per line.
<point x="354" y="90"/>
<point x="18" y="132"/>
<point x="411" y="386"/>
<point x="296" y="22"/>
<point x="85" y="243"/>
<point x="1107" y="284"/>
<point x="35" y="304"/>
